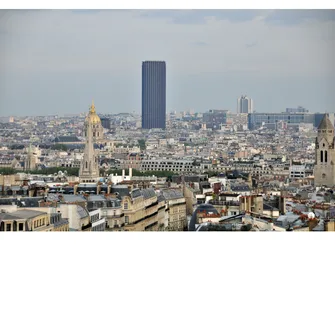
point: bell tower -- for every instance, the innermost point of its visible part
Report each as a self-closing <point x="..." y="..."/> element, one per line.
<point x="324" y="168"/>
<point x="89" y="168"/>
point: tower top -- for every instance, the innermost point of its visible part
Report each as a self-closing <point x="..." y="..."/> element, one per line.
<point x="325" y="124"/>
<point x="92" y="108"/>
<point x="92" y="116"/>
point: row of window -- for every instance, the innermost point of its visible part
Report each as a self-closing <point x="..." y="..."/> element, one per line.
<point x="39" y="223"/>
<point x="9" y="226"/>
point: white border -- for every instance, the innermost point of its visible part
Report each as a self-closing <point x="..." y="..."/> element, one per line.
<point x="171" y="283"/>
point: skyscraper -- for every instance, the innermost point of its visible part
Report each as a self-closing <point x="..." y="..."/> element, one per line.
<point x="153" y="94"/>
<point x="245" y="105"/>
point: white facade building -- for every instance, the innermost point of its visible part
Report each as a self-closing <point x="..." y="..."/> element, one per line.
<point x="245" y="105"/>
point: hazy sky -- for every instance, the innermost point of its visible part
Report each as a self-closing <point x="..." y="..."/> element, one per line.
<point x="56" y="61"/>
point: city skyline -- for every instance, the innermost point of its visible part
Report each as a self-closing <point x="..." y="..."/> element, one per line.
<point x="56" y="60"/>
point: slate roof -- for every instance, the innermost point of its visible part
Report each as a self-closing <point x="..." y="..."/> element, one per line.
<point x="148" y="193"/>
<point x="122" y="190"/>
<point x="325" y="123"/>
<point x="21" y="214"/>
<point x="170" y="194"/>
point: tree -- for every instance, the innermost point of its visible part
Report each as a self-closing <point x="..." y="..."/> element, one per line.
<point x="7" y="171"/>
<point x="142" y="145"/>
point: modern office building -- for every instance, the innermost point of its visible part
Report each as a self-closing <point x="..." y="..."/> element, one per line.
<point x="106" y="122"/>
<point x="245" y="105"/>
<point x="256" y="120"/>
<point x="214" y="118"/>
<point x="153" y="94"/>
<point x="299" y="109"/>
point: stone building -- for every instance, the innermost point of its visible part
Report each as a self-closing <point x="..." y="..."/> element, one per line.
<point x="89" y="168"/>
<point x="24" y="220"/>
<point x="324" y="169"/>
<point x="176" y="209"/>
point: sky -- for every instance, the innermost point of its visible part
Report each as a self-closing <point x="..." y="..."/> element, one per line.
<point x="57" y="61"/>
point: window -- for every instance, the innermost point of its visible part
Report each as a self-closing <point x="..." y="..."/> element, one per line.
<point x="14" y="226"/>
<point x="321" y="158"/>
<point x="20" y="226"/>
<point x="126" y="219"/>
<point x="326" y="154"/>
<point x="8" y="227"/>
<point x="2" y="226"/>
<point x="125" y="206"/>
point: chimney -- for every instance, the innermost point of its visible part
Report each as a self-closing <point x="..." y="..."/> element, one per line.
<point x="130" y="172"/>
<point x="123" y="174"/>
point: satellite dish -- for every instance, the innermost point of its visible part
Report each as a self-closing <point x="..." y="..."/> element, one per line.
<point x="311" y="215"/>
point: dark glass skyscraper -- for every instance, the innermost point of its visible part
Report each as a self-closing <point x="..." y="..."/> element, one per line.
<point x="153" y="94"/>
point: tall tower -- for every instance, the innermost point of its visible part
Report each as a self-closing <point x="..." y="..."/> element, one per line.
<point x="89" y="168"/>
<point x="153" y="94"/>
<point x="30" y="163"/>
<point x="324" y="169"/>
<point x="245" y="105"/>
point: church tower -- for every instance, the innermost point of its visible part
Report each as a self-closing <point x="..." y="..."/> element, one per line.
<point x="324" y="169"/>
<point x="30" y="163"/>
<point x="89" y="168"/>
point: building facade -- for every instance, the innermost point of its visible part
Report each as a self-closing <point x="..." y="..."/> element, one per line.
<point x="245" y="105"/>
<point x="324" y="169"/>
<point x="256" y="120"/>
<point x="214" y="118"/>
<point x="153" y="94"/>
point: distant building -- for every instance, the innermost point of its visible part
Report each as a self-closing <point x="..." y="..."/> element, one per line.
<point x="324" y="169"/>
<point x="273" y="120"/>
<point x="106" y="122"/>
<point x="6" y="119"/>
<point x="153" y="94"/>
<point x="214" y="118"/>
<point x="299" y="109"/>
<point x="245" y="105"/>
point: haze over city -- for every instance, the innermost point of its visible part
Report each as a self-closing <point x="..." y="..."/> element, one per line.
<point x="56" y="61"/>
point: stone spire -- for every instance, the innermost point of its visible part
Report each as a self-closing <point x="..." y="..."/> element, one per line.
<point x="325" y="130"/>
<point x="89" y="168"/>
<point x="325" y="124"/>
<point x="30" y="163"/>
